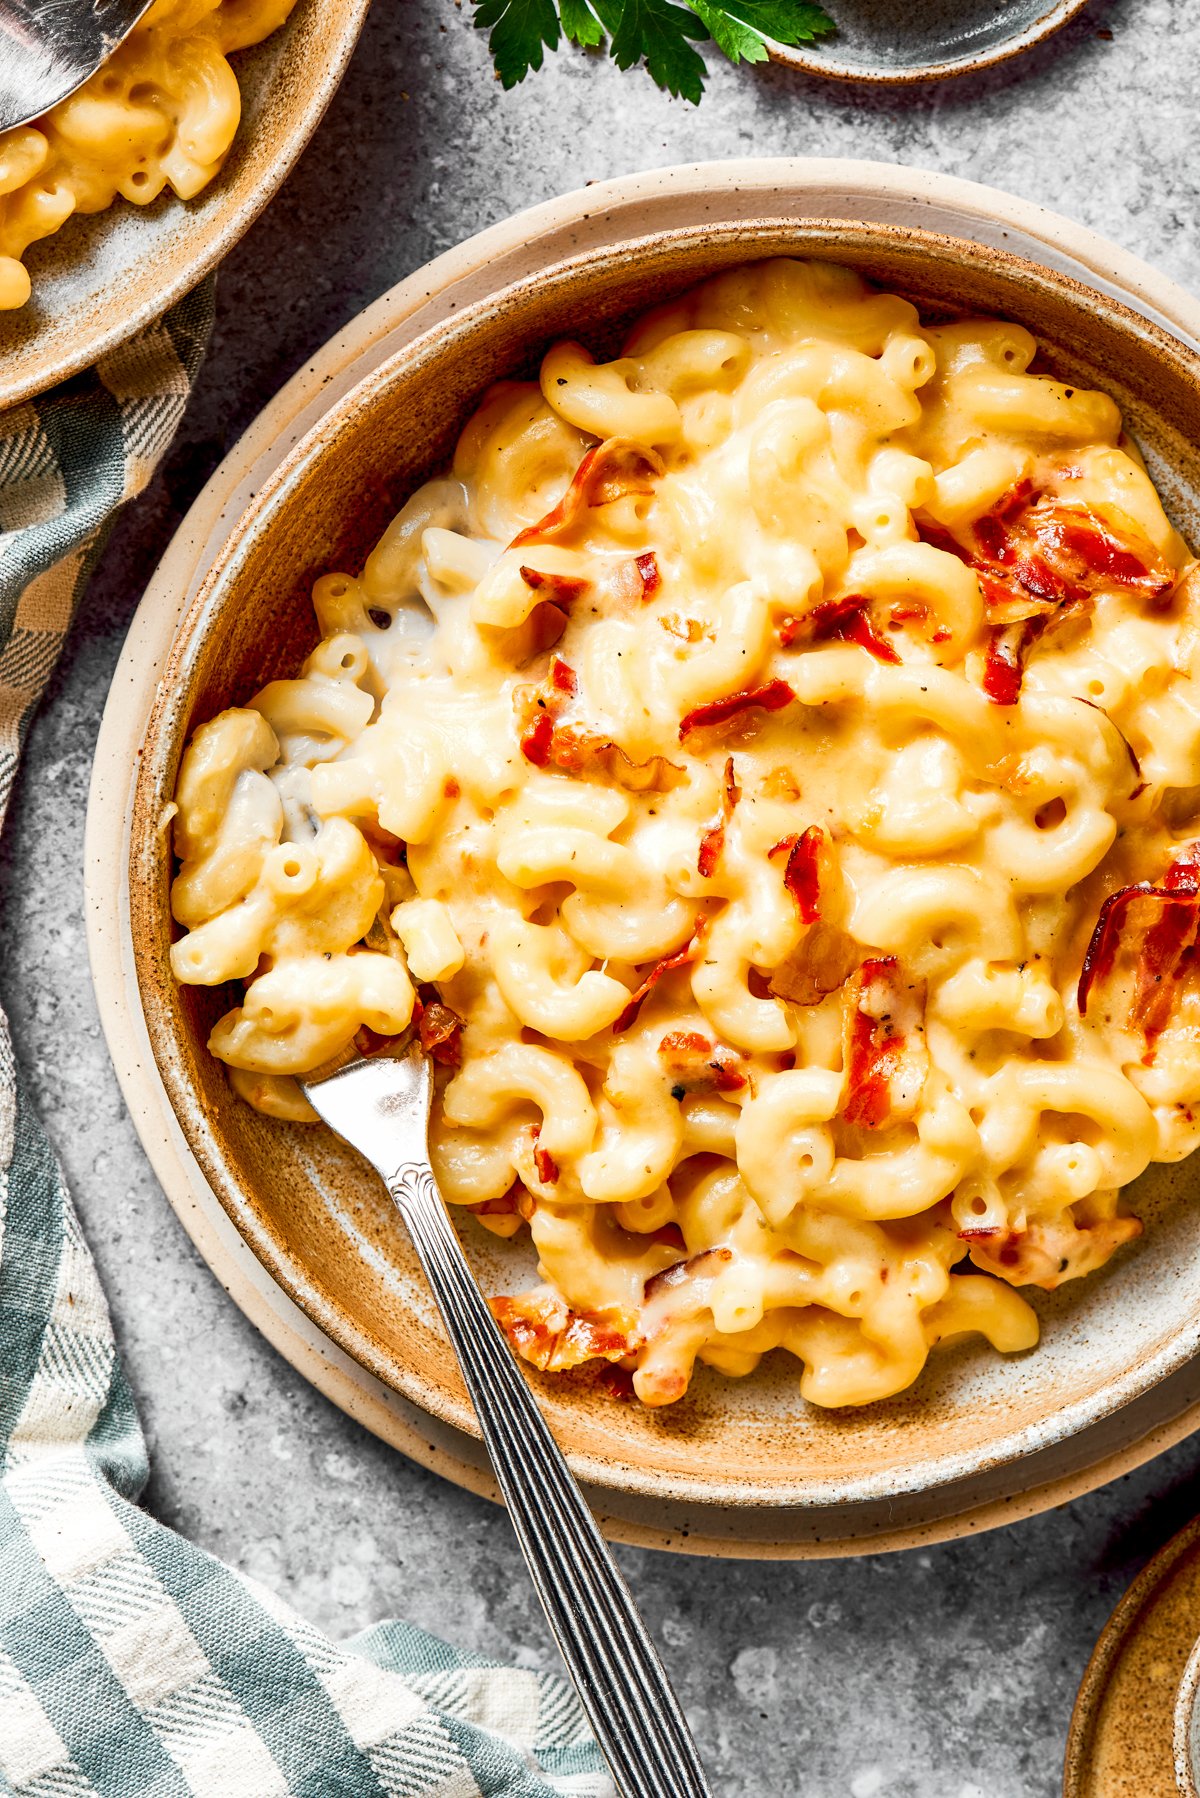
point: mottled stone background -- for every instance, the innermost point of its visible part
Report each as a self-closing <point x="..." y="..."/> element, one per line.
<point x="940" y="1674"/>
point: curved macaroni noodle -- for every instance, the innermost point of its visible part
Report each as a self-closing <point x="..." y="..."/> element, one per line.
<point x="160" y="112"/>
<point x="777" y="745"/>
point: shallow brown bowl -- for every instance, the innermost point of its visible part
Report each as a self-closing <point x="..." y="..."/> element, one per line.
<point x="104" y="277"/>
<point x="311" y="1210"/>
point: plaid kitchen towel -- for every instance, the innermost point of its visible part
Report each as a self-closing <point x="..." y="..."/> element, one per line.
<point x="132" y="1664"/>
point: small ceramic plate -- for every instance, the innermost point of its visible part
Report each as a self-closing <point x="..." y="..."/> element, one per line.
<point x="896" y="1513"/>
<point x="102" y="278"/>
<point x="1130" y="1728"/>
<point x="889" y="41"/>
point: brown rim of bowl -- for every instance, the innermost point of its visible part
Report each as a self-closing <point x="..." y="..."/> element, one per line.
<point x="123" y="317"/>
<point x="169" y="723"/>
<point x="1185" y="1725"/>
<point x="872" y="75"/>
<point x="1151" y="1587"/>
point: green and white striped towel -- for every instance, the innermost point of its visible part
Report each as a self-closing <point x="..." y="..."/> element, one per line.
<point x="132" y="1664"/>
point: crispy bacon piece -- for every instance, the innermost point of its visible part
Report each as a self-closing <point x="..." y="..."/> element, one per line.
<point x="1036" y="553"/>
<point x="698" y="1065"/>
<point x="843" y="620"/>
<point x="1035" y="558"/>
<point x="1004" y="659"/>
<point x="802" y="870"/>
<point x="543" y="1161"/>
<point x="823" y="960"/>
<point x="541" y="707"/>
<point x="505" y="1206"/>
<point x="769" y="698"/>
<point x="608" y="472"/>
<point x="711" y="845"/>
<point x="545" y="1332"/>
<point x="616" y="1381"/>
<point x="668" y="965"/>
<point x="885" y="1054"/>
<point x="561" y="589"/>
<point x="1049" y="1253"/>
<point x="1168" y="945"/>
<point x="535" y="744"/>
<point x="440" y="1031"/>
<point x="647" y="567"/>
<point x="713" y="840"/>
<point x="576" y="751"/>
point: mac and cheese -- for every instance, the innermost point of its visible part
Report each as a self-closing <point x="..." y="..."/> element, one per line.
<point x="161" y="111"/>
<point x="768" y="766"/>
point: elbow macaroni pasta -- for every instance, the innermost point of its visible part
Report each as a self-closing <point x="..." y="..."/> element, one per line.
<point x="779" y="746"/>
<point x="161" y="111"/>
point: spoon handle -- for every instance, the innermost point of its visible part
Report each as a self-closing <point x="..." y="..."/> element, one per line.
<point x="624" y="1690"/>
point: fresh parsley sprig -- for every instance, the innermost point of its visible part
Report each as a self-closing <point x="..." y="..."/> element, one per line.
<point x="659" y="33"/>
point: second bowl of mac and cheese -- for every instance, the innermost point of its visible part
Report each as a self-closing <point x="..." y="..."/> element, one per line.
<point x="116" y="202"/>
<point x="733" y="698"/>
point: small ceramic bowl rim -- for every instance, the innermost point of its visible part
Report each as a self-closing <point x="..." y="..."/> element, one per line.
<point x="320" y="441"/>
<point x="1149" y="1593"/>
<point x="819" y="62"/>
<point x="147" y="302"/>
<point x="1185" y="1726"/>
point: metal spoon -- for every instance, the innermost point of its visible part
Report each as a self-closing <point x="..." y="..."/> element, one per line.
<point x="381" y="1107"/>
<point x="48" y="48"/>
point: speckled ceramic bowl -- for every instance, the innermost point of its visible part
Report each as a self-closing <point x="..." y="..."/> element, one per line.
<point x="895" y="41"/>
<point x="892" y="42"/>
<point x="308" y="1207"/>
<point x="103" y="277"/>
<point x="1134" y="1728"/>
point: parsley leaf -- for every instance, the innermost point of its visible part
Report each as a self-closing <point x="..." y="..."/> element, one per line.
<point x="740" y="27"/>
<point x="659" y="33"/>
<point x="517" y="29"/>
<point x="580" y="23"/>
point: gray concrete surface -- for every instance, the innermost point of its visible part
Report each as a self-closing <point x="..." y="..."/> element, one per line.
<point x="940" y="1674"/>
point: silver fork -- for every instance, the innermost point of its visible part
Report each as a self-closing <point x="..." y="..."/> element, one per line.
<point x="381" y="1107"/>
<point x="48" y="48"/>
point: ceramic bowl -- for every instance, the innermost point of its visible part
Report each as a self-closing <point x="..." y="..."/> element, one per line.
<point x="894" y="41"/>
<point x="1186" y="1733"/>
<point x="312" y="1213"/>
<point x="102" y="278"/>
<point x="1134" y="1731"/>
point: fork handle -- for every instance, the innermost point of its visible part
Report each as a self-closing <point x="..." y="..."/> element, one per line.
<point x="621" y="1682"/>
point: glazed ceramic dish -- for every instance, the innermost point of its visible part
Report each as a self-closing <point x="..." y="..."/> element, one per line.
<point x="893" y="41"/>
<point x="102" y="278"/>
<point x="305" y="1201"/>
<point x="1133" y="1731"/>
<point x="739" y="1468"/>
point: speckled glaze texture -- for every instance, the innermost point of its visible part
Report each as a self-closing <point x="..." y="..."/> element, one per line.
<point x="1133" y="1729"/>
<point x="888" y="41"/>
<point x="943" y="1672"/>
